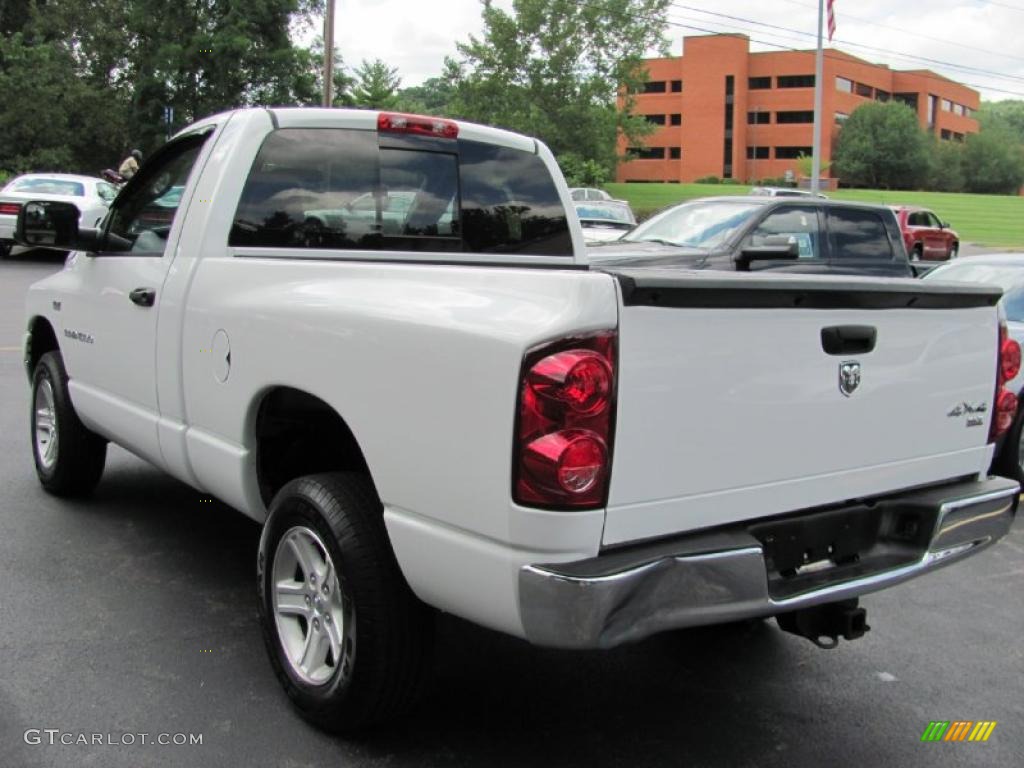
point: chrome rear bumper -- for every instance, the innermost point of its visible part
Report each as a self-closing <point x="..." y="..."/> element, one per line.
<point x="727" y="575"/>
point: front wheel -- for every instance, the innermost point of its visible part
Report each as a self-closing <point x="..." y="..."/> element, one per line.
<point x="346" y="637"/>
<point x="69" y="458"/>
<point x="954" y="250"/>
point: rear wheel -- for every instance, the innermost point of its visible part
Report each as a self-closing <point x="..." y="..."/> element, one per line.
<point x="917" y="252"/>
<point x="5" y="249"/>
<point x="954" y="250"/>
<point x="346" y="637"/>
<point x="69" y="458"/>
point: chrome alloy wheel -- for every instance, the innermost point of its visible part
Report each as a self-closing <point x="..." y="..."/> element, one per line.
<point x="308" y="606"/>
<point x="46" y="424"/>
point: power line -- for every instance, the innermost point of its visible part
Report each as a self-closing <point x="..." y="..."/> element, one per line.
<point x="845" y="15"/>
<point x="836" y="58"/>
<point x="909" y="56"/>
<point x="1005" y="5"/>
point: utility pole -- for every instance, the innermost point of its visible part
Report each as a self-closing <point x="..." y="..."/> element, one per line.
<point x="329" y="54"/>
<point x="819" y="73"/>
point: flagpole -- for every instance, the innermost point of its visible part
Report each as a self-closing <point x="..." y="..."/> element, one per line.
<point x="819" y="67"/>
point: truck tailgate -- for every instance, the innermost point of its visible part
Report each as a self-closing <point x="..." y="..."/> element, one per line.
<point x="730" y="407"/>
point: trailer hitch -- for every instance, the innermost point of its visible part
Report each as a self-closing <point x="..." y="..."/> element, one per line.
<point x="824" y="624"/>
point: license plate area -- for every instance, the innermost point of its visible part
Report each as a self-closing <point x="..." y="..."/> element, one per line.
<point x="810" y="550"/>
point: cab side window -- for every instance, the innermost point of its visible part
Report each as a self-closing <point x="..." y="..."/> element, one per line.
<point x="858" y="234"/>
<point x="795" y="223"/>
<point x="144" y="213"/>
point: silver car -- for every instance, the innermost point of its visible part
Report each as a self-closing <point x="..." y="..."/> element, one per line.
<point x="1007" y="271"/>
<point x="92" y="196"/>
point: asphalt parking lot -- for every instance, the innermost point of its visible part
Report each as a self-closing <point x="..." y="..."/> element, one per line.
<point x="134" y="612"/>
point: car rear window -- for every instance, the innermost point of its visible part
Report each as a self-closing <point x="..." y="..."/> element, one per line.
<point x="342" y="189"/>
<point x="50" y="187"/>
<point x="858" y="234"/>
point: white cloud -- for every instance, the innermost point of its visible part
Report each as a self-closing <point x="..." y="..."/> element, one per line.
<point x="416" y="35"/>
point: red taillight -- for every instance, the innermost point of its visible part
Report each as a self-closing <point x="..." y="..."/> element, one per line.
<point x="394" y="122"/>
<point x="1008" y="367"/>
<point x="10" y="209"/>
<point x="1009" y="356"/>
<point x="1006" y="409"/>
<point x="565" y="422"/>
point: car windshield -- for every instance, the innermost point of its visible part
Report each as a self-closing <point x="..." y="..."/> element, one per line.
<point x="703" y="225"/>
<point x="50" y="187"/>
<point x="1009" y="277"/>
<point x="612" y="214"/>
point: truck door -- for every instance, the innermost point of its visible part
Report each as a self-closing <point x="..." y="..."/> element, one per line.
<point x="114" y="389"/>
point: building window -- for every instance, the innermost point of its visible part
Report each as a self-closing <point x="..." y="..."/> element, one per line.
<point x="654" y="86"/>
<point x="757" y="153"/>
<point x="677" y="86"/>
<point x="655" y="119"/>
<point x="646" y="153"/>
<point x="958" y="137"/>
<point x="881" y="95"/>
<point x="795" y="81"/>
<point x="910" y="99"/>
<point x="674" y="153"/>
<point x="958" y="109"/>
<point x="759" y="118"/>
<point x="791" y="153"/>
<point x="676" y="119"/>
<point x="759" y="83"/>
<point x="863" y="90"/>
<point x="946" y="134"/>
<point x="932" y="101"/>
<point x="802" y="116"/>
<point x="843" y="85"/>
<point x="730" y="85"/>
<point x="947" y="105"/>
<point x="841" y="117"/>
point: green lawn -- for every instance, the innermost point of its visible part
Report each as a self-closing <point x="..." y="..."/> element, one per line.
<point x="995" y="220"/>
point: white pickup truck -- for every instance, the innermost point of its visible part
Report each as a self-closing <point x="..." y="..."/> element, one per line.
<point x="440" y="403"/>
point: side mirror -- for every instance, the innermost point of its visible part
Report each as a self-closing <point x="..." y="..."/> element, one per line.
<point x="47" y="224"/>
<point x="776" y="248"/>
<point x="52" y="224"/>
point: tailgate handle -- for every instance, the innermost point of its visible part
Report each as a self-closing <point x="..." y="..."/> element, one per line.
<point x="848" y="339"/>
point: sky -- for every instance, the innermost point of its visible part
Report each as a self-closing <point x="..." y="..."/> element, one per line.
<point x="979" y="42"/>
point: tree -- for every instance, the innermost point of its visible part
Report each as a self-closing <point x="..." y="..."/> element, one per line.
<point x="1007" y="114"/>
<point x="376" y="85"/>
<point x="556" y="68"/>
<point x="110" y="67"/>
<point x="881" y="145"/>
<point x="993" y="161"/>
<point x="434" y="97"/>
<point x="946" y="166"/>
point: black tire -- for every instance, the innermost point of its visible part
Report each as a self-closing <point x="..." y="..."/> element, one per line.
<point x="954" y="251"/>
<point x="5" y="249"/>
<point x="917" y="252"/>
<point x="1007" y="463"/>
<point x="387" y="633"/>
<point x="77" y="461"/>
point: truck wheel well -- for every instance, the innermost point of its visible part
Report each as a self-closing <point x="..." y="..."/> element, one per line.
<point x="42" y="339"/>
<point x="299" y="434"/>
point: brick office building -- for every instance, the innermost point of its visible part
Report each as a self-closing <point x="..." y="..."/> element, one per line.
<point x="723" y="111"/>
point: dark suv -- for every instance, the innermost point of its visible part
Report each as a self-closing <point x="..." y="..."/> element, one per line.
<point x="808" y="235"/>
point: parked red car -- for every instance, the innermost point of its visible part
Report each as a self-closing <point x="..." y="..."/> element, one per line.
<point x="926" y="236"/>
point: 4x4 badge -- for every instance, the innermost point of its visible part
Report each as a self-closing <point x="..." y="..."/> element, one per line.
<point x="849" y="377"/>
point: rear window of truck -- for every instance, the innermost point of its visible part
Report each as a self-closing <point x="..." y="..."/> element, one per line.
<point x="342" y="189"/>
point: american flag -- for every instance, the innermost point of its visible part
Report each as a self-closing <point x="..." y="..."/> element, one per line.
<point x="831" y="19"/>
